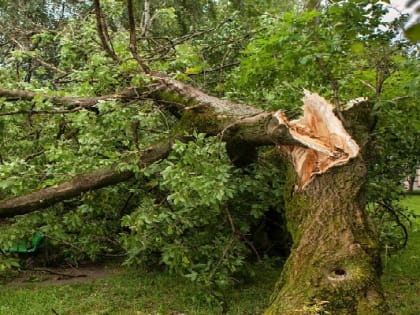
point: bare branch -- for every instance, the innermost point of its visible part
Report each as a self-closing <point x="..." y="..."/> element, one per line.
<point x="146" y="19"/>
<point x="367" y="84"/>
<point x="33" y="155"/>
<point x="51" y="195"/>
<point x="40" y="112"/>
<point x="312" y="5"/>
<point x="103" y="31"/>
<point x="387" y="205"/>
<point x="159" y="53"/>
<point x="216" y="69"/>
<point x="133" y="42"/>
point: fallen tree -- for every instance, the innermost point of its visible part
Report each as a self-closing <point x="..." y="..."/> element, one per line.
<point x="334" y="264"/>
<point x="333" y="237"/>
<point x="239" y="124"/>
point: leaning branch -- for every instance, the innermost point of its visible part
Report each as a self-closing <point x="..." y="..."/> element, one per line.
<point x="196" y="98"/>
<point x="51" y="195"/>
<point x="82" y="183"/>
<point x="40" y="112"/>
<point x="254" y="130"/>
<point x="164" y="90"/>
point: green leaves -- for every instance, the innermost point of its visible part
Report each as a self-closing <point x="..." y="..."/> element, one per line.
<point x="201" y="211"/>
<point x="317" y="50"/>
<point x="200" y="176"/>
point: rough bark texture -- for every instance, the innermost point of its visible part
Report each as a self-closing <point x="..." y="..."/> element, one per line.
<point x="335" y="263"/>
<point x="335" y="260"/>
<point x="243" y="135"/>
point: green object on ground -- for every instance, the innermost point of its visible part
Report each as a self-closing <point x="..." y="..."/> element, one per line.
<point x="26" y="248"/>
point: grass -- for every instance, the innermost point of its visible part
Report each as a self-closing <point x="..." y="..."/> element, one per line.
<point x="137" y="293"/>
<point x="401" y="279"/>
<point x="141" y="293"/>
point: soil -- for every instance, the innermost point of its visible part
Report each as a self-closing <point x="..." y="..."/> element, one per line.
<point x="62" y="275"/>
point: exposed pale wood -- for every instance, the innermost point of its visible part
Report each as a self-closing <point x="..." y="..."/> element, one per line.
<point x="326" y="142"/>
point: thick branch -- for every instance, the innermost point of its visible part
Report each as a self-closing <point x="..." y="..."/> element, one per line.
<point x="197" y="98"/>
<point x="40" y="112"/>
<point x="68" y="102"/>
<point x="258" y="130"/>
<point x="147" y="19"/>
<point x="51" y="195"/>
<point x="181" y="95"/>
<point x="216" y="116"/>
<point x="48" y="196"/>
<point x="250" y="131"/>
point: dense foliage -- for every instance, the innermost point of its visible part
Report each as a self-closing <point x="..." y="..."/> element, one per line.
<point x="194" y="213"/>
<point x="345" y="51"/>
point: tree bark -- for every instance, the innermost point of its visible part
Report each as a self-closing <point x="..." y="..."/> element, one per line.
<point x="48" y="196"/>
<point x="249" y="132"/>
<point x="334" y="264"/>
<point x="67" y="102"/>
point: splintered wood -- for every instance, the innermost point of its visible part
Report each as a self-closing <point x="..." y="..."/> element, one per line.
<point x="326" y="141"/>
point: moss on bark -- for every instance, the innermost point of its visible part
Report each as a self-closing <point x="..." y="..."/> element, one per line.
<point x="334" y="266"/>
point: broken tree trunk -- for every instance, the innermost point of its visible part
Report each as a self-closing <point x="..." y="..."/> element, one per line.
<point x="334" y="264"/>
<point x="334" y="261"/>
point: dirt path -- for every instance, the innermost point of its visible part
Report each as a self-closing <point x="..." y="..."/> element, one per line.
<point x="62" y="275"/>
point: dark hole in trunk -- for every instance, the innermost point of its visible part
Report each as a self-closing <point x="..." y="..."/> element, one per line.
<point x="339" y="272"/>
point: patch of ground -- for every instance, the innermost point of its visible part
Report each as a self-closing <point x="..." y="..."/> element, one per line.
<point x="62" y="275"/>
